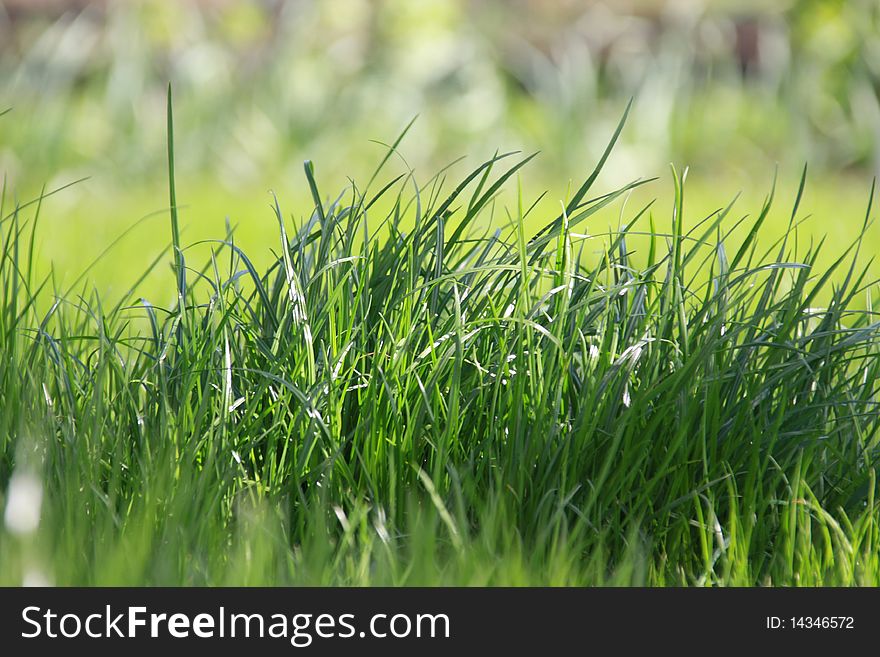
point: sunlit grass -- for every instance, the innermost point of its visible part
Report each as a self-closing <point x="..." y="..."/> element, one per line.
<point x="425" y="383"/>
<point x="80" y="224"/>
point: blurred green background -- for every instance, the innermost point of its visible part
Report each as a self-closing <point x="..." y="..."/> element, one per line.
<point x="730" y="89"/>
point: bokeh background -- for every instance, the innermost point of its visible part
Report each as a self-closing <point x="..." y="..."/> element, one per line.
<point x="731" y="89"/>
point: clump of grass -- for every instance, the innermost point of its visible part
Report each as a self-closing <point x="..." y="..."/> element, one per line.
<point x="433" y="395"/>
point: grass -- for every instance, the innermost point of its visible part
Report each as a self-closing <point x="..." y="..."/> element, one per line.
<point x="435" y="394"/>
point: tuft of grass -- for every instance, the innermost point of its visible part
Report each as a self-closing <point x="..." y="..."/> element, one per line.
<point x="430" y="395"/>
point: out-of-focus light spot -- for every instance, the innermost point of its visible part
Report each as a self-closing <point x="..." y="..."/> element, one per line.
<point x="23" y="502"/>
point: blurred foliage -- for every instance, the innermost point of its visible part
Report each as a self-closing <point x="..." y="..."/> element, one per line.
<point x="260" y="85"/>
<point x="732" y="89"/>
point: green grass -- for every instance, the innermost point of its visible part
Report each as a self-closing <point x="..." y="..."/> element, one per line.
<point x="421" y="389"/>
